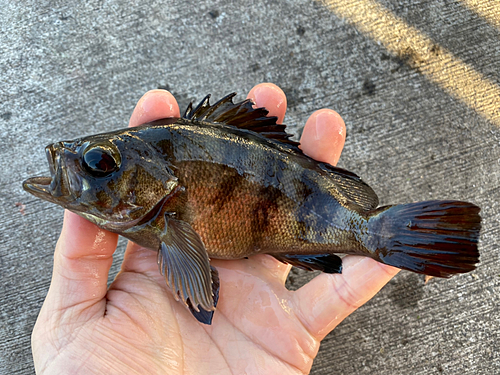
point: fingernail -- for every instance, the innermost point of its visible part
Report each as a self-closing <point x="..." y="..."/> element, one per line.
<point x="330" y="135"/>
<point x="261" y="94"/>
<point x="325" y="123"/>
<point x="271" y="97"/>
<point x="150" y="102"/>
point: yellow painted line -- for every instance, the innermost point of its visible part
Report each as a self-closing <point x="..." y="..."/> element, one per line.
<point x="439" y="65"/>
<point x="487" y="9"/>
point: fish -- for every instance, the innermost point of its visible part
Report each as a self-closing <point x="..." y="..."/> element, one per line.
<point x="226" y="181"/>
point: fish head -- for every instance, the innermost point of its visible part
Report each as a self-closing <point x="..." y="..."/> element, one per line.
<point x="110" y="179"/>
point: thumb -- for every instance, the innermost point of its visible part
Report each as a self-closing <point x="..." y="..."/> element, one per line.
<point x="82" y="259"/>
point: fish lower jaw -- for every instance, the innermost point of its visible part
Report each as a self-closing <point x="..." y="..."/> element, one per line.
<point x="38" y="186"/>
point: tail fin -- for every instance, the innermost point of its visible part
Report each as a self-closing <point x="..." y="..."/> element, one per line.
<point x="436" y="238"/>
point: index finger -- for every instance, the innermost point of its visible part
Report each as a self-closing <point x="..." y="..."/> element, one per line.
<point x="154" y="105"/>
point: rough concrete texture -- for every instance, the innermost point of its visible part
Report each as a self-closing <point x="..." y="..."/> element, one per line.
<point x="75" y="68"/>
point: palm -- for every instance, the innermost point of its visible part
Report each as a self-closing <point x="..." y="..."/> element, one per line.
<point x="254" y="326"/>
<point x="140" y="327"/>
<point x="136" y="326"/>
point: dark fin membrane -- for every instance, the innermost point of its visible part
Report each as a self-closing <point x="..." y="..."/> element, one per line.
<point x="204" y="316"/>
<point x="241" y="115"/>
<point x="183" y="260"/>
<point x="435" y="238"/>
<point x="327" y="263"/>
<point x="351" y="187"/>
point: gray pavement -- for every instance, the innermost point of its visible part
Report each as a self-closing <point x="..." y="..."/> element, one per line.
<point x="75" y="68"/>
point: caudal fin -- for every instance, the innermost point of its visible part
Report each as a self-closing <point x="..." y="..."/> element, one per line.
<point x="436" y="238"/>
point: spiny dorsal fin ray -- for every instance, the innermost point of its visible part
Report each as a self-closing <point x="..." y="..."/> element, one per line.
<point x="244" y="116"/>
<point x="241" y="115"/>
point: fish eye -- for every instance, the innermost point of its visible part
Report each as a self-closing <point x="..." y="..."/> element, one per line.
<point x="100" y="160"/>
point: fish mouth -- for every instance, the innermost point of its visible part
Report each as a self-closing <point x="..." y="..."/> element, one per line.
<point x="38" y="185"/>
<point x="63" y="186"/>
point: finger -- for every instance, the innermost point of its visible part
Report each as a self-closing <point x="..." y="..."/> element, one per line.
<point x="263" y="266"/>
<point x="82" y="259"/>
<point x="328" y="299"/>
<point x="83" y="254"/>
<point x="271" y="97"/>
<point x="139" y="259"/>
<point x="154" y="105"/>
<point x="323" y="136"/>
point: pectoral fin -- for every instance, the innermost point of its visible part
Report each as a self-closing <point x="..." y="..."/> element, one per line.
<point x="184" y="262"/>
<point x="202" y="315"/>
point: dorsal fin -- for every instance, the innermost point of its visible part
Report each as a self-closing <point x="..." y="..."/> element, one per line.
<point x="244" y="116"/>
<point x="241" y="115"/>
<point x="351" y="187"/>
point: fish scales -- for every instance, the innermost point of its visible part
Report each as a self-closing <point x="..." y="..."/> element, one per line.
<point x="262" y="201"/>
<point x="225" y="181"/>
<point x="232" y="214"/>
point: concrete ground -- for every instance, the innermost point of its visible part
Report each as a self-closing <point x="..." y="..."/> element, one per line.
<point x="417" y="82"/>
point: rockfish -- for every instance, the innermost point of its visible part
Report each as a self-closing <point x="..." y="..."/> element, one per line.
<point x="225" y="181"/>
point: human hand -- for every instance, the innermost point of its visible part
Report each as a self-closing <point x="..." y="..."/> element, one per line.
<point x="137" y="327"/>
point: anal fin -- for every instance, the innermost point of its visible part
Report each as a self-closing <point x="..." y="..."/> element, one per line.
<point x="327" y="263"/>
